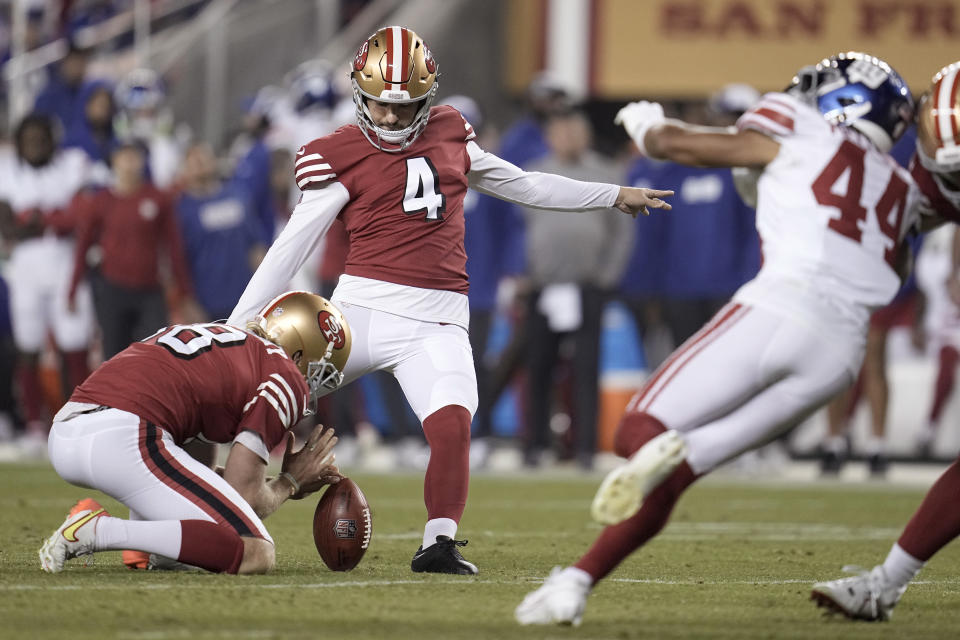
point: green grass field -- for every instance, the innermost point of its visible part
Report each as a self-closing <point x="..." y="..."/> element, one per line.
<point x="736" y="561"/>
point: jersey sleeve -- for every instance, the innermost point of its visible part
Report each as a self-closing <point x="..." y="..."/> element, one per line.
<point x="458" y="120"/>
<point x="278" y="403"/>
<point x="312" y="166"/>
<point x="775" y="115"/>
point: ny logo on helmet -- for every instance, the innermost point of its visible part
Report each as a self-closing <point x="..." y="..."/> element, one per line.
<point x="332" y="329"/>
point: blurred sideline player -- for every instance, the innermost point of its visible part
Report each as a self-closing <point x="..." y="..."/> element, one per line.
<point x="398" y="183"/>
<point x="872" y="595"/>
<point x="38" y="187"/>
<point x="937" y="274"/>
<point x="123" y="431"/>
<point x="792" y="337"/>
<point x="143" y="116"/>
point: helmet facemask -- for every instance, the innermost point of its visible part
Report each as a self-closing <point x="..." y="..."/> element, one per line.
<point x="384" y="139"/>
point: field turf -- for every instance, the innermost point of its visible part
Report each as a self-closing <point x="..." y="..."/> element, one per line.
<point x="736" y="561"/>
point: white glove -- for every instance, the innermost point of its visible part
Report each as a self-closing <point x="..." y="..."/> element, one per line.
<point x="637" y="118"/>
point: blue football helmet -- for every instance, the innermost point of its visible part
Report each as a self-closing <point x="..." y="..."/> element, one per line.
<point x="311" y="86"/>
<point x="859" y="91"/>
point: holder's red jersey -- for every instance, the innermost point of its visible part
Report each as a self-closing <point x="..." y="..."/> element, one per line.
<point x="405" y="213"/>
<point x="210" y="381"/>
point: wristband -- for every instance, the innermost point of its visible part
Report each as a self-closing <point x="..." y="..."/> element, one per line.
<point x="293" y="482"/>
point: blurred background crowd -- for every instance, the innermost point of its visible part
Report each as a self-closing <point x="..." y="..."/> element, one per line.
<point x="144" y="171"/>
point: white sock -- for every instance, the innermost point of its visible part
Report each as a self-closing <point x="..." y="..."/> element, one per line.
<point x="835" y="444"/>
<point x="578" y="575"/>
<point x="438" y="527"/>
<point x="901" y="567"/>
<point x="161" y="536"/>
<point x="874" y="446"/>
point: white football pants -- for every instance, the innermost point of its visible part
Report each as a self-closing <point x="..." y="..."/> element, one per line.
<point x="138" y="464"/>
<point x="432" y="362"/>
<point x="745" y="378"/>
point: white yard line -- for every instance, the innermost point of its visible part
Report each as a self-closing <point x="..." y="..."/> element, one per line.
<point x="363" y="584"/>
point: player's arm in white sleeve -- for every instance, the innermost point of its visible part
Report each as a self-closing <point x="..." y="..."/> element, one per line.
<point x="495" y="176"/>
<point x="311" y="218"/>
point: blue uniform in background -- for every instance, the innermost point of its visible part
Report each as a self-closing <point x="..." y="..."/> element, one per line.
<point x="253" y="174"/>
<point x="218" y="233"/>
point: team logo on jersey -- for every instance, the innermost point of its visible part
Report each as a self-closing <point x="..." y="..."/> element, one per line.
<point x="360" y="60"/>
<point x="332" y="329"/>
<point x="428" y="60"/>
<point x="148" y="209"/>
<point x="345" y="529"/>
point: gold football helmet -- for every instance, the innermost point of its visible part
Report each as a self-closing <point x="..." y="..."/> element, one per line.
<point x="393" y="65"/>
<point x="312" y="332"/>
<point x="938" y="123"/>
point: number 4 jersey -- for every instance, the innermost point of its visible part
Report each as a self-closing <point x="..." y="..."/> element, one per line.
<point x="208" y="381"/>
<point x="405" y="213"/>
<point x="832" y="211"/>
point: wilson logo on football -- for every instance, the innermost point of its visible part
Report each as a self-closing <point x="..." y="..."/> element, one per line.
<point x="332" y="329"/>
<point x="360" y="60"/>
<point x="345" y="529"/>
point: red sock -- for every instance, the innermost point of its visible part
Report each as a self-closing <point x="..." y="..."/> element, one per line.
<point x="448" y="474"/>
<point x="75" y="363"/>
<point x="937" y="521"/>
<point x="619" y="541"/>
<point x="31" y="393"/>
<point x="634" y="431"/>
<point x="210" y="546"/>
<point x="945" y="379"/>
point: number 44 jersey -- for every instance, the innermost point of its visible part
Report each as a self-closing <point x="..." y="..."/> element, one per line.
<point x="208" y="381"/>
<point x="832" y="212"/>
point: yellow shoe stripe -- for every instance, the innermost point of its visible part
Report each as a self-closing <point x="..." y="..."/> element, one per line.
<point x="70" y="533"/>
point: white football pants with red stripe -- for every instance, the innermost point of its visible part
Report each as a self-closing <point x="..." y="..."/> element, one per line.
<point x="138" y="464"/>
<point x="745" y="378"/>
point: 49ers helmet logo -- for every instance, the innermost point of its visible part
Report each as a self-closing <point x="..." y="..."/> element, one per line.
<point x="360" y="60"/>
<point x="332" y="329"/>
<point x="428" y="60"/>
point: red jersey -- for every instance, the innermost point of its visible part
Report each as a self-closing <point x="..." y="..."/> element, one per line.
<point x="405" y="214"/>
<point x="203" y="380"/>
<point x="130" y="229"/>
<point x="945" y="207"/>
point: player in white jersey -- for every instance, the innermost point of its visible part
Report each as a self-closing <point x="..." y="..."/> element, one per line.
<point x="872" y="594"/>
<point x="38" y="186"/>
<point x="832" y="209"/>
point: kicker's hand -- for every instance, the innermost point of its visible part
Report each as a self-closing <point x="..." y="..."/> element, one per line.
<point x="637" y="118"/>
<point x="312" y="467"/>
<point x="634" y="200"/>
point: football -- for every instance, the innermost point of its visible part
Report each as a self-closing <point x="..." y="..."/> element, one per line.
<point x="342" y="525"/>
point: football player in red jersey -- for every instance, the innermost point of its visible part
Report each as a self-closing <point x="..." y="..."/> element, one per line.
<point x="123" y="430"/>
<point x="872" y="595"/>
<point x="833" y="208"/>
<point x="397" y="179"/>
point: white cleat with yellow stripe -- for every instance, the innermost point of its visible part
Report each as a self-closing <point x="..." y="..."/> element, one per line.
<point x="75" y="537"/>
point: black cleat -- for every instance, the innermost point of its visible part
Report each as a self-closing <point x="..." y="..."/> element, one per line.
<point x="831" y="463"/>
<point x="443" y="557"/>
<point x="878" y="465"/>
